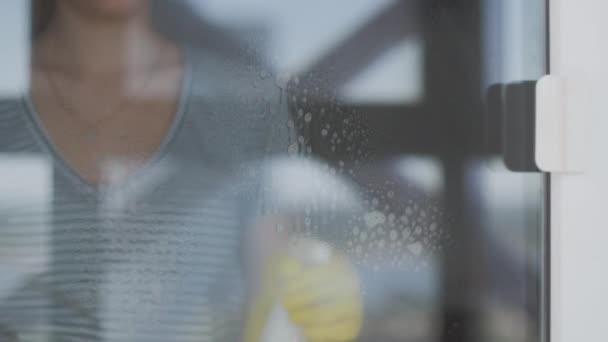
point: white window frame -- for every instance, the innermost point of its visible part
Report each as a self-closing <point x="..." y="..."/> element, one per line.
<point x="579" y="231"/>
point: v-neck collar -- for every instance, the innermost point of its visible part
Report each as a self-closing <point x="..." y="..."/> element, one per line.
<point x="43" y="136"/>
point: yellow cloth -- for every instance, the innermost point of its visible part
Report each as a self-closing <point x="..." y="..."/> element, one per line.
<point x="322" y="298"/>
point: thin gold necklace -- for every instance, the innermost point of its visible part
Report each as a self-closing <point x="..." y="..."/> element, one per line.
<point x="91" y="130"/>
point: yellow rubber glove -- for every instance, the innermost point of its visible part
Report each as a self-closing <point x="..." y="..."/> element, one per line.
<point x="319" y="292"/>
<point x="323" y="299"/>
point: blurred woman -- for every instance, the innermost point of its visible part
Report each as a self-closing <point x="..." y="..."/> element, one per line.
<point x="146" y="137"/>
<point x="156" y="149"/>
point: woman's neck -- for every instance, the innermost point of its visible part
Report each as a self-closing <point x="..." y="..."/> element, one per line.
<point x="90" y="45"/>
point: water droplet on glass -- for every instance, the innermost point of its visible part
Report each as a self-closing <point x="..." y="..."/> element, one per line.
<point x="307" y="221"/>
<point x="393" y="235"/>
<point x="415" y="248"/>
<point x="375" y="202"/>
<point x="308" y="117"/>
<point x="363" y="236"/>
<point x="324" y="132"/>
<point x="293" y="148"/>
<point x="374" y="218"/>
<point x="356" y="230"/>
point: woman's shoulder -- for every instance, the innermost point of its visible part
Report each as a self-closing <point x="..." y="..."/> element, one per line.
<point x="15" y="135"/>
<point x="11" y="116"/>
<point x="236" y="105"/>
<point x="10" y="109"/>
<point x="244" y="70"/>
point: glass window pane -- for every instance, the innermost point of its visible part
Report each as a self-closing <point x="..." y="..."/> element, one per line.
<point x="207" y="170"/>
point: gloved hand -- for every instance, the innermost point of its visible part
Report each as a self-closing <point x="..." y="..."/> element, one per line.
<point x="318" y="289"/>
<point x="322" y="297"/>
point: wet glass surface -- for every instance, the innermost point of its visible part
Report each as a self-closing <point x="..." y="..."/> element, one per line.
<point x="256" y="170"/>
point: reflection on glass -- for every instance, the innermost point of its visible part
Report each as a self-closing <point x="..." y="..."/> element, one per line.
<point x="264" y="171"/>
